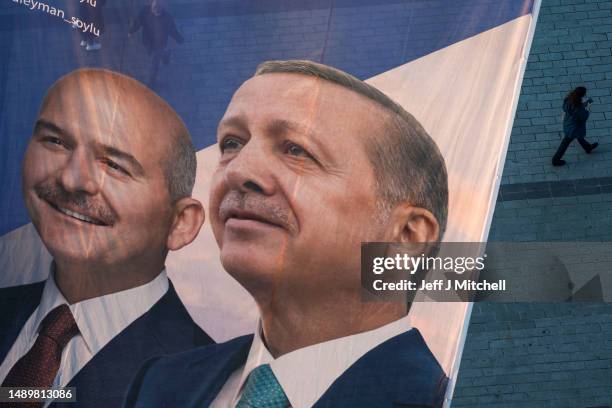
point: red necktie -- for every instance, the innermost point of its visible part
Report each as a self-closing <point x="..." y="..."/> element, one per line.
<point x="39" y="366"/>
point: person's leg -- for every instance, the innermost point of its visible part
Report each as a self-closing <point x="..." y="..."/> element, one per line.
<point x="156" y="58"/>
<point x="165" y="56"/>
<point x="93" y="43"/>
<point x="88" y="38"/>
<point x="588" y="147"/>
<point x="556" y="160"/>
<point x="83" y="37"/>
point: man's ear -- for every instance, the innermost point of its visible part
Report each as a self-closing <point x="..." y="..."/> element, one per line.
<point x="188" y="219"/>
<point x="414" y="225"/>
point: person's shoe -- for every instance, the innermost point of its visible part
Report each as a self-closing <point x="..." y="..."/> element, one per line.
<point x="558" y="163"/>
<point x="593" y="147"/>
<point x="83" y="43"/>
<point x="93" y="47"/>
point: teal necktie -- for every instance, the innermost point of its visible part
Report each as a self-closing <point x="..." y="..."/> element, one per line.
<point x="262" y="390"/>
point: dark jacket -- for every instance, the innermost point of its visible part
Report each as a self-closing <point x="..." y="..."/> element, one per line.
<point x="400" y="372"/>
<point x="166" y="328"/>
<point x="574" y="122"/>
<point x="155" y="29"/>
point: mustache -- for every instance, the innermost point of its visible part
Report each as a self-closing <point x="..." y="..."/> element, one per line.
<point x="78" y="201"/>
<point x="257" y="205"/>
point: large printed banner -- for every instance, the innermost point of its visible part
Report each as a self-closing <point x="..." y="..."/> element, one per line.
<point x="456" y="66"/>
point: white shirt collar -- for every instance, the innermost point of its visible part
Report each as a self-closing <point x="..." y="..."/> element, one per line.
<point x="306" y="374"/>
<point x="102" y="318"/>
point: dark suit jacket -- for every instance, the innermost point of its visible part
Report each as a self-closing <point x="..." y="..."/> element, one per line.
<point x="400" y="372"/>
<point x="166" y="328"/>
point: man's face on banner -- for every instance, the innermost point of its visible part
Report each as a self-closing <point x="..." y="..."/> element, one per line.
<point x="294" y="193"/>
<point x="92" y="174"/>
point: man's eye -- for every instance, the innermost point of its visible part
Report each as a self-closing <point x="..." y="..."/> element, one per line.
<point x="230" y="144"/>
<point x="295" y="150"/>
<point x="53" y="140"/>
<point x="114" y="166"/>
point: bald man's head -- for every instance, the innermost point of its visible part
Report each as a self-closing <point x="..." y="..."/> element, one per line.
<point x="108" y="173"/>
<point x="89" y="86"/>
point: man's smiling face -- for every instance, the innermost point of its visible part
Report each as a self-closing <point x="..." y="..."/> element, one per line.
<point x="93" y="177"/>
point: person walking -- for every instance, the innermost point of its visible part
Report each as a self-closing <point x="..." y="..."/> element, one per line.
<point x="574" y="123"/>
<point x="157" y="25"/>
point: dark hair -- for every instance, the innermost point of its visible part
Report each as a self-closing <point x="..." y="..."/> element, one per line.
<point x="575" y="97"/>
<point x="180" y="167"/>
<point x="406" y="160"/>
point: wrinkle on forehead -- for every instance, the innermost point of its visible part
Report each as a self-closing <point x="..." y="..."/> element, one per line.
<point x="316" y="95"/>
